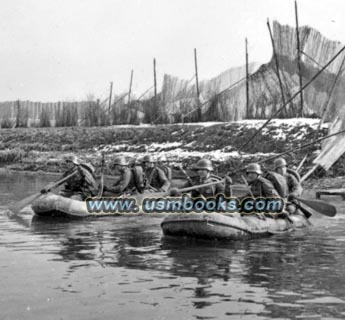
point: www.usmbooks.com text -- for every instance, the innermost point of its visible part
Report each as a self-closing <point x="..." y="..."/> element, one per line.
<point x="185" y="204"/>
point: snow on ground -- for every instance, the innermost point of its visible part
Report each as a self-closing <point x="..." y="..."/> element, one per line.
<point x="313" y="122"/>
<point x="163" y="146"/>
<point x="178" y="154"/>
<point x="278" y="129"/>
<point x="177" y="151"/>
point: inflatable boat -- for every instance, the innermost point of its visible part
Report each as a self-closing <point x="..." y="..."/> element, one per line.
<point x="53" y="205"/>
<point x="229" y="227"/>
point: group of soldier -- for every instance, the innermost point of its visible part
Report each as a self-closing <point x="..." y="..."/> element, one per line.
<point x="149" y="175"/>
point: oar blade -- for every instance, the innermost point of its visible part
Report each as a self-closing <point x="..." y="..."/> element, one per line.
<point x="18" y="206"/>
<point x="320" y="206"/>
<point x="307" y="211"/>
<point x="25" y="202"/>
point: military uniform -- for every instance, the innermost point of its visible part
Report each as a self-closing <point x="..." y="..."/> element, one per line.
<point x="81" y="185"/>
<point x="138" y="178"/>
<point x="167" y="170"/>
<point x="125" y="183"/>
<point x="157" y="179"/>
<point x="207" y="192"/>
<point x="262" y="187"/>
<point x="295" y="188"/>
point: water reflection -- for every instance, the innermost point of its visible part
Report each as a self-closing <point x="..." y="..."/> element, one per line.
<point x="281" y="264"/>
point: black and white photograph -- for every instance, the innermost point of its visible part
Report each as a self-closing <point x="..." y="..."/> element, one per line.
<point x="172" y="159"/>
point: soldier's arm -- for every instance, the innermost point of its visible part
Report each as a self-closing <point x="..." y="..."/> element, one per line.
<point x="220" y="188"/>
<point x="169" y="175"/>
<point x="269" y="189"/>
<point x="295" y="188"/>
<point x="89" y="182"/>
<point x="122" y="184"/>
<point x="164" y="180"/>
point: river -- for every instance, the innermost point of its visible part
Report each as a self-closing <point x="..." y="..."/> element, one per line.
<point x="122" y="268"/>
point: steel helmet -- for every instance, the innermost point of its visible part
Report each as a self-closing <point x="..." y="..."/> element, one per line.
<point x="204" y="164"/>
<point x="133" y="161"/>
<point x="72" y="158"/>
<point x="163" y="159"/>
<point x="147" y="158"/>
<point x="279" y="162"/>
<point x="121" y="161"/>
<point x="254" y="167"/>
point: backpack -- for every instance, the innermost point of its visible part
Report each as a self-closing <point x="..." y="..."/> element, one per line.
<point x="294" y="173"/>
<point x="279" y="183"/>
<point x="137" y="172"/>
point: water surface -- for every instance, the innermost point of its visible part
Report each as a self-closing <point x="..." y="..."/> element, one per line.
<point x="122" y="268"/>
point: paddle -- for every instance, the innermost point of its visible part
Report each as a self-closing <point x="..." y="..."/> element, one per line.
<point x="186" y="175"/>
<point x="307" y="211"/>
<point x="301" y="164"/>
<point x="318" y="206"/>
<point x="200" y="186"/>
<point x="23" y="203"/>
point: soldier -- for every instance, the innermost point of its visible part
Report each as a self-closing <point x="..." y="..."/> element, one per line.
<point x="294" y="187"/>
<point x="204" y="170"/>
<point x="259" y="186"/>
<point x="125" y="182"/>
<point x="154" y="177"/>
<point x="81" y="185"/>
<point x="163" y="164"/>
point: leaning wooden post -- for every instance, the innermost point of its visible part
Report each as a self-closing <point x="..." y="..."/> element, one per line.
<point x="130" y="88"/>
<point x="247" y="80"/>
<point x="110" y="95"/>
<point x="299" y="61"/>
<point x="197" y="84"/>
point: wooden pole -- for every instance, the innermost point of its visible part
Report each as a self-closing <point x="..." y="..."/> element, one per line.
<point x="247" y="79"/>
<point x="197" y="83"/>
<point x="309" y="173"/>
<point x="130" y="88"/>
<point x="277" y="65"/>
<point x="110" y="95"/>
<point x="299" y="62"/>
<point x="155" y="83"/>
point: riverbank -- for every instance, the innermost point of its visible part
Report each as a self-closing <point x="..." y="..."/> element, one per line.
<point x="41" y="149"/>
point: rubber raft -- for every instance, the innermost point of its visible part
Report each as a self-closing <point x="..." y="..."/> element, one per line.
<point x="228" y="227"/>
<point x="196" y="225"/>
<point x="52" y="205"/>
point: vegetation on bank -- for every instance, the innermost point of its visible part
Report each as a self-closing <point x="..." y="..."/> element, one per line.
<point x="42" y="148"/>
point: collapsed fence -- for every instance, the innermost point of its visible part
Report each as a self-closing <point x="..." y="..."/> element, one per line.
<point x="226" y="97"/>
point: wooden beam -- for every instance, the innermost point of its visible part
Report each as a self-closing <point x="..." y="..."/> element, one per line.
<point x="155" y="83"/>
<point x="247" y="79"/>
<point x="110" y="96"/>
<point x="299" y="62"/>
<point x="197" y="83"/>
<point x="130" y="88"/>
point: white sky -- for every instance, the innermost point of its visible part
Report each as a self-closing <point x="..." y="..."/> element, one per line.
<point x="66" y="49"/>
